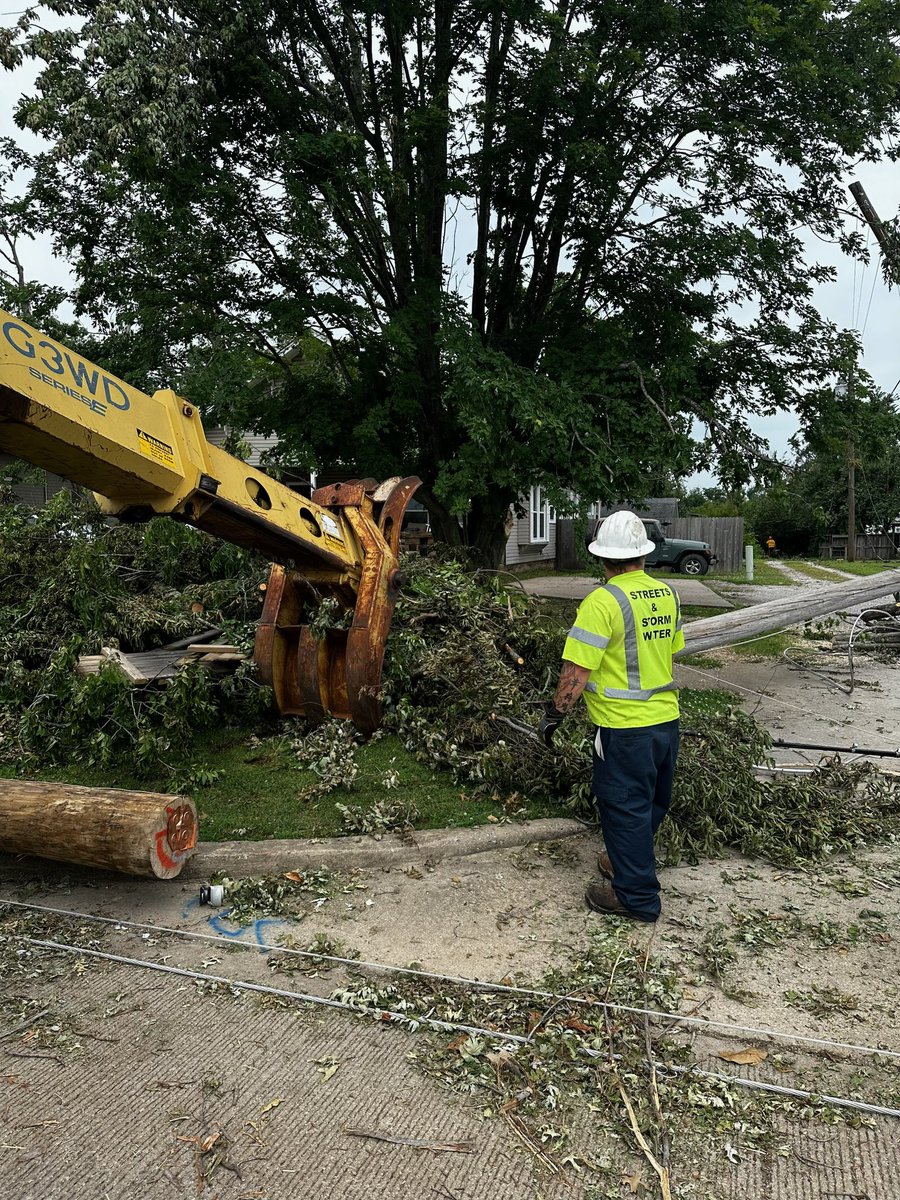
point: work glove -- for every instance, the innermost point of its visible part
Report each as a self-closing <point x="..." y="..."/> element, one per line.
<point x="549" y="723"/>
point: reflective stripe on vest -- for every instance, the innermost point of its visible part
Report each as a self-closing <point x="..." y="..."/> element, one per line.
<point x="638" y="694"/>
<point x="589" y="639"/>
<point x="634" y="691"/>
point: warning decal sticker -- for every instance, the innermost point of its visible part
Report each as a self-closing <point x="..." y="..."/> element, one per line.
<point x="331" y="527"/>
<point x="160" y="452"/>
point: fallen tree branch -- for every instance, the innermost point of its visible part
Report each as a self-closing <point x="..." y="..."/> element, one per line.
<point x="415" y="1143"/>
<point x="24" y="1025"/>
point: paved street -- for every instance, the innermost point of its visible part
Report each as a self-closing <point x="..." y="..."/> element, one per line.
<point x="163" y="1087"/>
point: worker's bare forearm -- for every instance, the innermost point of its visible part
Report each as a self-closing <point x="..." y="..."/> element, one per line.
<point x="572" y="681"/>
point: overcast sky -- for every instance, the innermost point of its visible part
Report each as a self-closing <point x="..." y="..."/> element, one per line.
<point x="858" y="299"/>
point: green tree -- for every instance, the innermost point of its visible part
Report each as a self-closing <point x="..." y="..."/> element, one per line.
<point x="711" y="502"/>
<point x="539" y="241"/>
<point x="866" y="425"/>
<point x="786" y="513"/>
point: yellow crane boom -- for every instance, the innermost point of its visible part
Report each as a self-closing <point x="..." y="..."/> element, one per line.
<point x="146" y="456"/>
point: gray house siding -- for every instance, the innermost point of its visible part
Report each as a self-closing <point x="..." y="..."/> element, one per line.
<point x="520" y="549"/>
<point x="34" y="495"/>
<point x="217" y="435"/>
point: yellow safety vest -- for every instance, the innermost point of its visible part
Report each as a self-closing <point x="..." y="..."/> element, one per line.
<point x="626" y="633"/>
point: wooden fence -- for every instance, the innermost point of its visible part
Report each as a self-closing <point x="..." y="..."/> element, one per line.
<point x="868" y="546"/>
<point x="724" y="534"/>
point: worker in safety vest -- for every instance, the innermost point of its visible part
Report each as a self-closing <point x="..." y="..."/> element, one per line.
<point x="619" y="654"/>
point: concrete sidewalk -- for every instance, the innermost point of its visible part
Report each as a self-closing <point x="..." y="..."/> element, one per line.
<point x="129" y="1118"/>
<point x="151" y="1066"/>
<point x="239" y="859"/>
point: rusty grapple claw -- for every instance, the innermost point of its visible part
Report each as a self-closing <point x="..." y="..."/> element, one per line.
<point x="340" y="672"/>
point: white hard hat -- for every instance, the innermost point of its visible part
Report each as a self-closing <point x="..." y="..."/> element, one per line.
<point x="622" y="535"/>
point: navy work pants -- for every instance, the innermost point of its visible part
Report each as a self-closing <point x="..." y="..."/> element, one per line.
<point x="633" y="773"/>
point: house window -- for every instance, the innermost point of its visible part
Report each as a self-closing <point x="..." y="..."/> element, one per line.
<point x="541" y="515"/>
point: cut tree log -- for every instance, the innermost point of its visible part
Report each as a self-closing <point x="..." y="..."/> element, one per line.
<point x="731" y="627"/>
<point x="138" y="833"/>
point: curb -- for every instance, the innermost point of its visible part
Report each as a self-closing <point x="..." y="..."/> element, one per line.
<point x="345" y="854"/>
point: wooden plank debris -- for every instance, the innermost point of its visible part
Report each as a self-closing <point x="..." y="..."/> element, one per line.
<point x="129" y="670"/>
<point x="746" y="623"/>
<point x="157" y="666"/>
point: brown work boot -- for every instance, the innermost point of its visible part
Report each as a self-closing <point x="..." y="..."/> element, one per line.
<point x="604" y="865"/>
<point x="601" y="897"/>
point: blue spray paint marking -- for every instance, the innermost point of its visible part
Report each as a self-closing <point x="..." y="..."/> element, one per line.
<point x="255" y="930"/>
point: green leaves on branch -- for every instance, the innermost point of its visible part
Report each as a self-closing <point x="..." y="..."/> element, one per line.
<point x="70" y="584"/>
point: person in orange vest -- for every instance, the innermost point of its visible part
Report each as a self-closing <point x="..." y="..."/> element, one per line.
<point x="618" y="654"/>
<point x="770" y="545"/>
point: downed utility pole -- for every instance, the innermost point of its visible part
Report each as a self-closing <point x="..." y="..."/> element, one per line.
<point x="747" y="623"/>
<point x="886" y="238"/>
<point x="139" y="833"/>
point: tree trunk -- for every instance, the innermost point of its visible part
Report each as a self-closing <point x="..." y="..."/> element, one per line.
<point x="487" y="529"/>
<point x="444" y="523"/>
<point x="138" y="833"/>
<point x="482" y="535"/>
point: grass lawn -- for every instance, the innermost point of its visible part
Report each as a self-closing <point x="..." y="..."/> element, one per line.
<point x="540" y="571"/>
<point x="813" y="571"/>
<point x="704" y="662"/>
<point x="694" y="611"/>
<point x="771" y="645"/>
<point x="257" y="794"/>
<point x="869" y="567"/>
